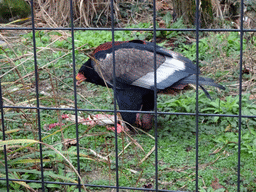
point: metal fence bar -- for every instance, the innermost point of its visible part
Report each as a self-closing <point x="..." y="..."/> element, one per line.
<point x="155" y="96"/>
<point x="197" y="78"/>
<point x="75" y="93"/>
<point x="240" y="93"/>
<point x="88" y="185"/>
<point x="5" y="152"/>
<point x="126" y="29"/>
<point x="131" y="111"/>
<point x="37" y="95"/>
<point x="114" y="89"/>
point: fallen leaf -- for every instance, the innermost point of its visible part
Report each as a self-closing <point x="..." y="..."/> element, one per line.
<point x="247" y="70"/>
<point x="162" y="4"/>
<point x="161" y="24"/>
<point x="50" y="126"/>
<point x="216" y="185"/>
<point x="64" y="116"/>
<point x="252" y="97"/>
<point x="92" y="120"/>
<point x="119" y="127"/>
<point x="159" y="5"/>
<point x="69" y="142"/>
<point x="148" y="186"/>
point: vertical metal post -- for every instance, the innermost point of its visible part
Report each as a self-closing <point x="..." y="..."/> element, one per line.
<point x="37" y="93"/>
<point x="197" y="73"/>
<point x="75" y="94"/>
<point x="114" y="89"/>
<point x="240" y="94"/>
<point x="155" y="96"/>
<point x="3" y="129"/>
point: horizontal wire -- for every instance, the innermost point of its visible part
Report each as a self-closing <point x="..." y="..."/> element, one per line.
<point x="89" y="185"/>
<point x="126" y="29"/>
<point x="131" y="111"/>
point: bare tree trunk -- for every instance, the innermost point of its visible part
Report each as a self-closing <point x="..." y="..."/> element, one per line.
<point x="206" y="13"/>
<point x="187" y="10"/>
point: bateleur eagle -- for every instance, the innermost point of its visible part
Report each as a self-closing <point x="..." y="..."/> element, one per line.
<point x="134" y="64"/>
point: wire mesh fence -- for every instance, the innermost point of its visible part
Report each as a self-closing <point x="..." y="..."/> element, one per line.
<point x="38" y="108"/>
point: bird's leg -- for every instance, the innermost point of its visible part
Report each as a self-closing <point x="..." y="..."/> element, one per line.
<point x="144" y="120"/>
<point x="138" y="118"/>
<point x="147" y="121"/>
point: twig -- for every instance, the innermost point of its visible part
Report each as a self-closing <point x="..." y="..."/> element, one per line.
<point x="149" y="153"/>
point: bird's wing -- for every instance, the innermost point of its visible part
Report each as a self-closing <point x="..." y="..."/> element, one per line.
<point x="134" y="65"/>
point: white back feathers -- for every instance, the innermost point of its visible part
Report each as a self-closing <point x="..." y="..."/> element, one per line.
<point x="165" y="70"/>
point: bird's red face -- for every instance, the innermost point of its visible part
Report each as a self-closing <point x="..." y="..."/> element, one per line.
<point x="80" y="78"/>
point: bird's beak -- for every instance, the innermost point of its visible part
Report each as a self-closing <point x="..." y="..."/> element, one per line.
<point x="80" y="78"/>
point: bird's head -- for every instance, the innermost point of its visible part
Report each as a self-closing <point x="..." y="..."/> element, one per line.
<point x="83" y="71"/>
<point x="87" y="73"/>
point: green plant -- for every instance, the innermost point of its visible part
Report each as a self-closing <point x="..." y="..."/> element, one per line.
<point x="210" y="189"/>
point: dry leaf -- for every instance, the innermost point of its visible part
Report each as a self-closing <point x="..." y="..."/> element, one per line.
<point x="119" y="128"/>
<point x="148" y="186"/>
<point x="216" y="185"/>
<point x="92" y="120"/>
<point x="159" y="5"/>
<point x="69" y="142"/>
<point x="161" y="24"/>
<point x="50" y="126"/>
<point x="252" y="97"/>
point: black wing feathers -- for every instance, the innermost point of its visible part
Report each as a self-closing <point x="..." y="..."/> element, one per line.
<point x="146" y="47"/>
<point x="201" y="81"/>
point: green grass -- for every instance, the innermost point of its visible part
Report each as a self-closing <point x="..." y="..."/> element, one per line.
<point x="218" y="136"/>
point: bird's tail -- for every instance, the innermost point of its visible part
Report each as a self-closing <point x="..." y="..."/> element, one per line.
<point x="202" y="81"/>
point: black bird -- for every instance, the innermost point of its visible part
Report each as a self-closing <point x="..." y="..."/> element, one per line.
<point x="134" y="64"/>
